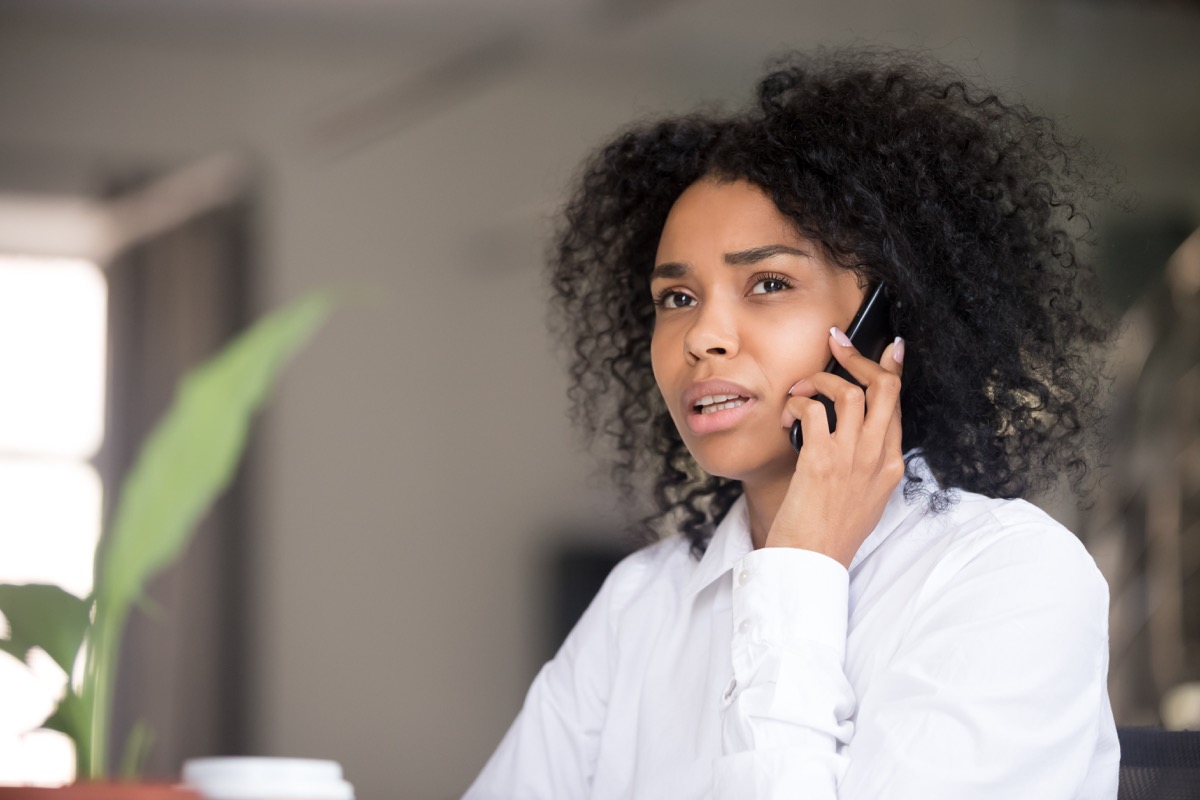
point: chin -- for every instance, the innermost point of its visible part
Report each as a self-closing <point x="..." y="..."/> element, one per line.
<point x="742" y="462"/>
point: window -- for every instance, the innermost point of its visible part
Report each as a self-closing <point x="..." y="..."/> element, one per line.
<point x="52" y="388"/>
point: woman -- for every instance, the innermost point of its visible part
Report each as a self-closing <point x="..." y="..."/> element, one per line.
<point x="879" y="616"/>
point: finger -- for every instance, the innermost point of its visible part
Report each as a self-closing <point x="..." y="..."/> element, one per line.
<point x="801" y="388"/>
<point x="891" y="460"/>
<point x="883" y="395"/>
<point x="893" y="357"/>
<point x="863" y="369"/>
<point x="893" y="439"/>
<point x="849" y="401"/>
<point x="793" y="410"/>
<point x="814" y="424"/>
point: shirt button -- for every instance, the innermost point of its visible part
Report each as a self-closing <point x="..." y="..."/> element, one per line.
<point x="743" y="578"/>
<point x="745" y="627"/>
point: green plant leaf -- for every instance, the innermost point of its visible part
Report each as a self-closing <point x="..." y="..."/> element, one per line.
<point x="187" y="460"/>
<point x="137" y="747"/>
<point x="193" y="453"/>
<point x="72" y="718"/>
<point x="45" y="616"/>
<point x="17" y="650"/>
<point x="68" y="717"/>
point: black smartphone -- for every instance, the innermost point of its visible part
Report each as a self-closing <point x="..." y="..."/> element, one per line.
<point x="870" y="331"/>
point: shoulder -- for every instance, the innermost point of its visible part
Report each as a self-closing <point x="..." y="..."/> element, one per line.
<point x="656" y="569"/>
<point x="985" y="527"/>
<point x="1014" y="547"/>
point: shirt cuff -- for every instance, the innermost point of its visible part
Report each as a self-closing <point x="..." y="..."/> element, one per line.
<point x="787" y="597"/>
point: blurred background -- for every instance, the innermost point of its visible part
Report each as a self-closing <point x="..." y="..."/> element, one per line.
<point x="415" y="524"/>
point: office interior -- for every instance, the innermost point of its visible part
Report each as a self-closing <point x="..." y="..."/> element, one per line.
<point x="416" y="523"/>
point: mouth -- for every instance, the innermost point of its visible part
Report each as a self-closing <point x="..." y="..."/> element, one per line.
<point x="711" y="404"/>
<point x="716" y="405"/>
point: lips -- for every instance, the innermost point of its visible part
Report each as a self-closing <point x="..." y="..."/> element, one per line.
<point x="716" y="405"/>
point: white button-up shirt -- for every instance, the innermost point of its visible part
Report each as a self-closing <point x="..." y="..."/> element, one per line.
<point x="964" y="656"/>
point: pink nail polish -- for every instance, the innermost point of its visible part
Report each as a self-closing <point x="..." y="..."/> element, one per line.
<point x="898" y="351"/>
<point x="839" y="337"/>
<point x="804" y="387"/>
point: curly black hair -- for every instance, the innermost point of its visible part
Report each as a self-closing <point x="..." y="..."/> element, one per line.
<point x="899" y="169"/>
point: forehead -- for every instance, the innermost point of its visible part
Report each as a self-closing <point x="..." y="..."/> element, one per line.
<point x="723" y="215"/>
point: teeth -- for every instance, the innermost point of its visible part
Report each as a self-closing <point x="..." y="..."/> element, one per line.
<point x="715" y="398"/>
<point x="719" y="402"/>
<point x="721" y="407"/>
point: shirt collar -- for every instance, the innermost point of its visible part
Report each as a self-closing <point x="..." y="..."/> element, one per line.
<point x="731" y="540"/>
<point x="729" y="544"/>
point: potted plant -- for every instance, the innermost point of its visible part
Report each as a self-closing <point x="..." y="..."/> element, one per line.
<point x="184" y="464"/>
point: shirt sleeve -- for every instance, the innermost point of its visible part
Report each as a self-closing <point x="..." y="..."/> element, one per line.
<point x="995" y="690"/>
<point x="787" y="710"/>
<point x="550" y="749"/>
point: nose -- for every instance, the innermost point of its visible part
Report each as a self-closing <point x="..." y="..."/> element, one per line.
<point x="712" y="335"/>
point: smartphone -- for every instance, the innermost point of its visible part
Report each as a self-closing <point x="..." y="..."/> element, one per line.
<point x="870" y="331"/>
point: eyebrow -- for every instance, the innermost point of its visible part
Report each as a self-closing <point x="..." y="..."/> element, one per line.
<point x="757" y="254"/>
<point x="753" y="255"/>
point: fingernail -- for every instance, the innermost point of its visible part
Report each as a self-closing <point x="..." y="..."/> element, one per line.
<point x="839" y="337"/>
<point x="898" y="350"/>
<point x="802" y="385"/>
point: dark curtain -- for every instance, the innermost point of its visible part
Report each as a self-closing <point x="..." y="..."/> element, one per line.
<point x="184" y="669"/>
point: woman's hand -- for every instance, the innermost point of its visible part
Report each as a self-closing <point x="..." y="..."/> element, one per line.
<point x="843" y="480"/>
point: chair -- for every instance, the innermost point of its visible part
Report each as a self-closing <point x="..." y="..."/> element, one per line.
<point x="1159" y="765"/>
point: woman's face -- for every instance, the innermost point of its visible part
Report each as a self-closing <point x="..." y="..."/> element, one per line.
<point x="744" y="307"/>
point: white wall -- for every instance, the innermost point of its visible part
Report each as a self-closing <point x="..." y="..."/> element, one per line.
<point x="418" y="456"/>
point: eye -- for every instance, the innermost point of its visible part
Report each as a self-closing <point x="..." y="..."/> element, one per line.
<point x="673" y="298"/>
<point x="770" y="284"/>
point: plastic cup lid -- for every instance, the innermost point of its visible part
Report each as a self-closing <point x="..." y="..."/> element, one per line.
<point x="259" y="778"/>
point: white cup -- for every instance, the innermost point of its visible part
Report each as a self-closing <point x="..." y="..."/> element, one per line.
<point x="260" y="778"/>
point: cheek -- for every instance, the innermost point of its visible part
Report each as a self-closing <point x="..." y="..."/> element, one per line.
<point x="656" y="358"/>
<point x="794" y="348"/>
<point x="659" y="363"/>
<point x="668" y="367"/>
